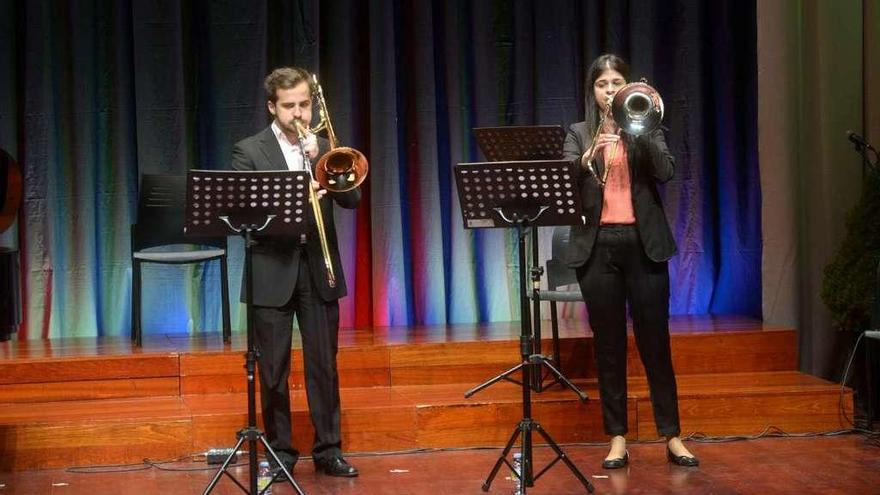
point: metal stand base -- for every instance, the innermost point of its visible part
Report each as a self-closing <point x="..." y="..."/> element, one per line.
<point x="252" y="435"/>
<point x="524" y="429"/>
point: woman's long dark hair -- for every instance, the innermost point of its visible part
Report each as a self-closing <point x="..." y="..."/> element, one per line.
<point x="600" y="65"/>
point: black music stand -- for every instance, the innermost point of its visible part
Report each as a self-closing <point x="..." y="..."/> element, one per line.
<point x="528" y="143"/>
<point x="243" y="203"/>
<point x="521" y="195"/>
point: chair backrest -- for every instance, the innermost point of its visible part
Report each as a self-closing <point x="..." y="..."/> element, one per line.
<point x="160" y="214"/>
<point x="558" y="273"/>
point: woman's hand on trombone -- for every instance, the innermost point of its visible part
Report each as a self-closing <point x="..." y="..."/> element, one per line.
<point x="602" y="140"/>
<point x="606" y="133"/>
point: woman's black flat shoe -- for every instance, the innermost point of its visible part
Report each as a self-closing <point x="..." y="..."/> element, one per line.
<point x="681" y="460"/>
<point x="616" y="463"/>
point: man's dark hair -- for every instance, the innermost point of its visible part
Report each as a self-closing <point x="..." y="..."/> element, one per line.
<point x="285" y="78"/>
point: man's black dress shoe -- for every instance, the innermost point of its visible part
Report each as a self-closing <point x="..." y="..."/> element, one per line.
<point x="616" y="463"/>
<point x="335" y="466"/>
<point x="287" y="458"/>
<point x="681" y="460"/>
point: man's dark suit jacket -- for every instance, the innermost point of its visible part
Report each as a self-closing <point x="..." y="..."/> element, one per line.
<point x="276" y="259"/>
<point x="650" y="163"/>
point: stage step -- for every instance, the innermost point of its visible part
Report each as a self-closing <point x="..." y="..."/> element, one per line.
<point x="388" y="418"/>
<point x="82" y="433"/>
<point x="181" y="365"/>
<point x="100" y="401"/>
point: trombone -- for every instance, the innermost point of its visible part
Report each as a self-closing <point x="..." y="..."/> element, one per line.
<point x="341" y="169"/>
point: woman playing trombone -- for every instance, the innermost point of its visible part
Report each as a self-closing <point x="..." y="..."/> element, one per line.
<point x="621" y="253"/>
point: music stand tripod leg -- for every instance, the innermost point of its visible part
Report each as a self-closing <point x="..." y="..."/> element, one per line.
<point x="494" y="380"/>
<point x="283" y="469"/>
<point x="524" y="430"/>
<point x="502" y="459"/>
<point x="562" y="379"/>
<point x="564" y="458"/>
<point x="224" y="466"/>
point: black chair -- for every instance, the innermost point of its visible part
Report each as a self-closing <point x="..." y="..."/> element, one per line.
<point x="558" y="275"/>
<point x="158" y="237"/>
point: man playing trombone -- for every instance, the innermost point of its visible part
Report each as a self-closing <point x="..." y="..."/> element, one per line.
<point x="299" y="276"/>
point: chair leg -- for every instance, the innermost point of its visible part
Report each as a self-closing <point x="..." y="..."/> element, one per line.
<point x="224" y="304"/>
<point x="136" y="302"/>
<point x="554" y="324"/>
<point x="537" y="378"/>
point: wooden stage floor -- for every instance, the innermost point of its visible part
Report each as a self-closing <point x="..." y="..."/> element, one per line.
<point x="103" y="401"/>
<point x="847" y="465"/>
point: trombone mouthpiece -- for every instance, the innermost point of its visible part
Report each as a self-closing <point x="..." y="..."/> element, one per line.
<point x="299" y="128"/>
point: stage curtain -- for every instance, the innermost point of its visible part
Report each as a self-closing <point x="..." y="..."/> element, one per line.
<point x="105" y="90"/>
<point x="819" y="65"/>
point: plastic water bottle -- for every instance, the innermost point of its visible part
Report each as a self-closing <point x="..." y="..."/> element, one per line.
<point x="517" y="473"/>
<point x="264" y="478"/>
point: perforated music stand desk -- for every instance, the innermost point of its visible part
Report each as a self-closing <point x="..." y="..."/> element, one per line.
<point x="498" y="194"/>
<point x="520" y="143"/>
<point x="522" y="194"/>
<point x="271" y="203"/>
<point x="247" y="199"/>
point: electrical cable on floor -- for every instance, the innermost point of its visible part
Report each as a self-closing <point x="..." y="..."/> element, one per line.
<point x="107" y="468"/>
<point x="160" y="465"/>
<point x="840" y="407"/>
<point x="147" y="464"/>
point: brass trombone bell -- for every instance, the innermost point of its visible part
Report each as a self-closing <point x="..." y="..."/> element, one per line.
<point x="341" y="169"/>
<point x="637" y="108"/>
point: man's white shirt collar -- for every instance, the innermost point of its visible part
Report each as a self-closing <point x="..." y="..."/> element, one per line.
<point x="292" y="155"/>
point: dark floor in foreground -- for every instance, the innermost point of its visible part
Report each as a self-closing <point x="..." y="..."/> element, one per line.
<point x="846" y="464"/>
